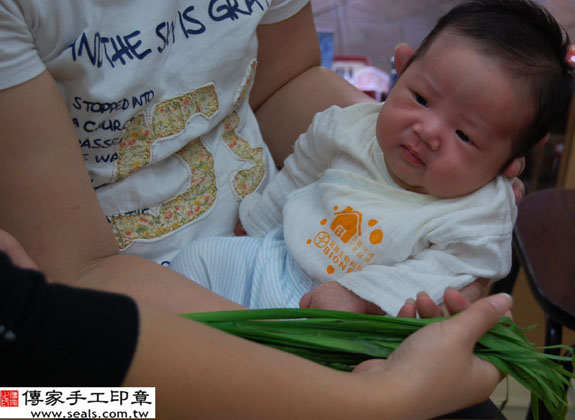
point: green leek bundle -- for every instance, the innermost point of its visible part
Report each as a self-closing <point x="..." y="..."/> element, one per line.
<point x="342" y="340"/>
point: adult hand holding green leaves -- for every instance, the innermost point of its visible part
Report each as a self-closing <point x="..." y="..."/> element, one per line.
<point x="436" y="366"/>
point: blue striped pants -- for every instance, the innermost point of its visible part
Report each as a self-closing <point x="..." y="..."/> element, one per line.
<point x="254" y="272"/>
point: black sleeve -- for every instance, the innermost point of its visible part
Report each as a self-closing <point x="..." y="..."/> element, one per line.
<point x="56" y="335"/>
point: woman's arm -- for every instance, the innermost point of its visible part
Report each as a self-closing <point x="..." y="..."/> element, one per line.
<point x="49" y="205"/>
<point x="291" y="86"/>
<point x="209" y="374"/>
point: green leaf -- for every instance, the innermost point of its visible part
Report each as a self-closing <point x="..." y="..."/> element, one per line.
<point x="342" y="340"/>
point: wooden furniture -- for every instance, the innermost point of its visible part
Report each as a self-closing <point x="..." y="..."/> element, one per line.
<point x="566" y="176"/>
<point x="544" y="241"/>
<point x="544" y="245"/>
<point x="542" y="159"/>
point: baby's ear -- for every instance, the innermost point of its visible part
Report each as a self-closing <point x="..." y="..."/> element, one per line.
<point x="543" y="140"/>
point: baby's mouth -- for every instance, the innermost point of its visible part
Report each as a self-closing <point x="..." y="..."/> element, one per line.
<point x="411" y="156"/>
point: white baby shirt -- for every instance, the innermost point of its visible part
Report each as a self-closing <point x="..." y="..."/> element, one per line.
<point x="345" y="220"/>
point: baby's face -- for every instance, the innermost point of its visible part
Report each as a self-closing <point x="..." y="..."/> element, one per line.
<point x="448" y="125"/>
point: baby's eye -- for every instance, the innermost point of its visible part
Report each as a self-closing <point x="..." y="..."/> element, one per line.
<point x="463" y="136"/>
<point x="420" y="99"/>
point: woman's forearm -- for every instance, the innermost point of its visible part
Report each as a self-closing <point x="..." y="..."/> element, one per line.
<point x="211" y="374"/>
<point x="152" y="284"/>
<point x="284" y="116"/>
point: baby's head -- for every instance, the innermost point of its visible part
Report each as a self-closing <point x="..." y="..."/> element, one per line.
<point x="488" y="83"/>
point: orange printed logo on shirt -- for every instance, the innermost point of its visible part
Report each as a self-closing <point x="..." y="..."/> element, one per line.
<point x="342" y="242"/>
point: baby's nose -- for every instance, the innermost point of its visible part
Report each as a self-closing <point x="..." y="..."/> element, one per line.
<point x="429" y="132"/>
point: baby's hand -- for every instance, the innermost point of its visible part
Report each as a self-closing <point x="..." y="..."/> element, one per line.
<point x="333" y="295"/>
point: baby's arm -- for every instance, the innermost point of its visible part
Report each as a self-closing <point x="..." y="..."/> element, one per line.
<point x="432" y="271"/>
<point x="262" y="212"/>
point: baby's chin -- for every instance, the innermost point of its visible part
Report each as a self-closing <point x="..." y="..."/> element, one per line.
<point x="417" y="189"/>
<point x="455" y="192"/>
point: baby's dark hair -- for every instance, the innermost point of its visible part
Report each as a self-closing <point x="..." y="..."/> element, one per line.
<point x="530" y="44"/>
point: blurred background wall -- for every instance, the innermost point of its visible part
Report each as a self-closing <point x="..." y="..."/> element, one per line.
<point x="372" y="28"/>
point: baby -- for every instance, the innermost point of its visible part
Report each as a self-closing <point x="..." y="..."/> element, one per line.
<point x="381" y="201"/>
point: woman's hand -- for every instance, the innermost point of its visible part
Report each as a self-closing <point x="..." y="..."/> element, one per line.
<point x="436" y="366"/>
<point x="425" y="307"/>
<point x="514" y="169"/>
<point x="11" y="247"/>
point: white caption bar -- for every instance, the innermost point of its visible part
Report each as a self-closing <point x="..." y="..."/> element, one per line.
<point x="77" y="403"/>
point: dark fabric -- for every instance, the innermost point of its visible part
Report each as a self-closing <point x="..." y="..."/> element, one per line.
<point x="486" y="410"/>
<point x="55" y="335"/>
